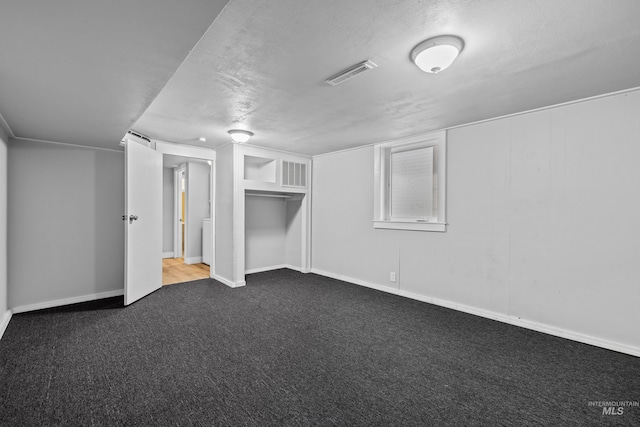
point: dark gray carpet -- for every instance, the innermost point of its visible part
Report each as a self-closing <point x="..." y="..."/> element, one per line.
<point x="293" y="349"/>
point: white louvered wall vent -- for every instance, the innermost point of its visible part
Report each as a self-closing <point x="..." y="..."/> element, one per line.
<point x="294" y="174"/>
<point x="349" y="73"/>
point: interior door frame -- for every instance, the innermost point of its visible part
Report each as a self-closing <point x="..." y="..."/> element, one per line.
<point x="177" y="204"/>
<point x="197" y="153"/>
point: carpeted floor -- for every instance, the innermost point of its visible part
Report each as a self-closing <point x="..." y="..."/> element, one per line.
<point x="294" y="349"/>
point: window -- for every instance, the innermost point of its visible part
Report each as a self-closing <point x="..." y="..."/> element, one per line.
<point x="410" y="183"/>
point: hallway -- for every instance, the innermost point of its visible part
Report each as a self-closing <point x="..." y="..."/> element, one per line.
<point x="174" y="270"/>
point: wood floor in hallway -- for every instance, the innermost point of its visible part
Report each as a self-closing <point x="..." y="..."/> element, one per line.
<point x="174" y="270"/>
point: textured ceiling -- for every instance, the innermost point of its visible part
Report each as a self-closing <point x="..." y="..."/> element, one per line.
<point x="83" y="71"/>
<point x="261" y="67"/>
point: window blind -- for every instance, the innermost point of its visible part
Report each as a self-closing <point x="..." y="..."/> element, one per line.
<point x="411" y="184"/>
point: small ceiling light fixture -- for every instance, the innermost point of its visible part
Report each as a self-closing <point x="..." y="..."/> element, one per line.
<point x="202" y="139"/>
<point x="239" y="135"/>
<point x="437" y="53"/>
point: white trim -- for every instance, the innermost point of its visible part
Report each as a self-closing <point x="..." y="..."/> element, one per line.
<point x="167" y="255"/>
<point x="382" y="177"/>
<point x="67" y="301"/>
<point x="177" y="212"/>
<point x="239" y="218"/>
<point x="298" y="269"/>
<point x="414" y="226"/>
<point x="4" y="322"/>
<point x="290" y="153"/>
<point x="212" y="215"/>
<point x="19" y="138"/>
<point x="228" y="282"/>
<point x="187" y="223"/>
<point x="548" y="107"/>
<point x="263" y="269"/>
<point x="184" y="150"/>
<point x="527" y="324"/>
<point x="193" y="260"/>
<point x="276" y="267"/>
<point x="198" y="153"/>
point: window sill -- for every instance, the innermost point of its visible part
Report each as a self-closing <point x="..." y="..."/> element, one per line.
<point x="411" y="226"/>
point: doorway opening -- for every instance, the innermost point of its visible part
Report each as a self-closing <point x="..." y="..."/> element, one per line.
<point x="187" y="234"/>
<point x="180" y="188"/>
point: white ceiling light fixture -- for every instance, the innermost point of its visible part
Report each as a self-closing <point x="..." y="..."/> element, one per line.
<point x="202" y="139"/>
<point x="437" y="53"/>
<point x="239" y="135"/>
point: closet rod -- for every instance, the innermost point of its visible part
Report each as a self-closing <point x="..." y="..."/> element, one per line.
<point x="280" y="196"/>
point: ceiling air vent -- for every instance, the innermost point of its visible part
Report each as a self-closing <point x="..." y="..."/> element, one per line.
<point x="294" y="174"/>
<point x="144" y="140"/>
<point x="139" y="135"/>
<point x="345" y="75"/>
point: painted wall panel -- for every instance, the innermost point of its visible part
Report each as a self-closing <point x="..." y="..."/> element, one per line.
<point x="293" y="256"/>
<point x="168" y="210"/>
<point x="468" y="263"/>
<point x="65" y="209"/>
<point x="198" y="182"/>
<point x="343" y="240"/>
<point x="598" y="219"/>
<point x="542" y="212"/>
<point x="530" y="214"/>
<point x="265" y="232"/>
<point x="224" y="266"/>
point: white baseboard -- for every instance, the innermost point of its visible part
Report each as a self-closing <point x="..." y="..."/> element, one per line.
<point x="298" y="269"/>
<point x="167" y="255"/>
<point x="228" y="282"/>
<point x="193" y="260"/>
<point x="275" y="267"/>
<point x="535" y="326"/>
<point x="4" y="322"/>
<point x="67" y="301"/>
<point x="263" y="269"/>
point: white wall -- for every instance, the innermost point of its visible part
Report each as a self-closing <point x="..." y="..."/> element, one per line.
<point x="168" y="211"/>
<point x="543" y="211"/>
<point x="343" y="240"/>
<point x="198" y="184"/>
<point x="293" y="243"/>
<point x="224" y="243"/>
<point x="4" y="307"/>
<point x="65" y="208"/>
<point x="265" y="232"/>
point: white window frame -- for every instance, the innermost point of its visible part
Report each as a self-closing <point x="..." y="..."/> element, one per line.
<point x="382" y="155"/>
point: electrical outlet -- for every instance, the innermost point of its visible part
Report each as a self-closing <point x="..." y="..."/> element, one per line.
<point x="392" y="276"/>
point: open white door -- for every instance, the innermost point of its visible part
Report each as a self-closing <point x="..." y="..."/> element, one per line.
<point x="143" y="222"/>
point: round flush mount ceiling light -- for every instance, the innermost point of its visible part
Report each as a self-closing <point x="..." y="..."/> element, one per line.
<point x="239" y="135"/>
<point x="437" y="53"/>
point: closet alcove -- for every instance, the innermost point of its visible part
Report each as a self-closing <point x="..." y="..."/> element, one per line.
<point x="263" y="204"/>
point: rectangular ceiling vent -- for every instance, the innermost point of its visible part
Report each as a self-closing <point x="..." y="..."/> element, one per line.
<point x="142" y="139"/>
<point x="139" y="135"/>
<point x="351" y="72"/>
